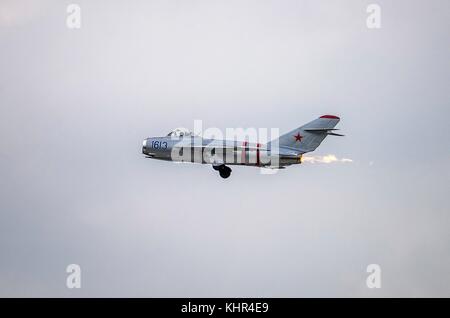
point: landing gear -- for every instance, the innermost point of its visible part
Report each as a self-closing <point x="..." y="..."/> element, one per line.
<point x="224" y="171"/>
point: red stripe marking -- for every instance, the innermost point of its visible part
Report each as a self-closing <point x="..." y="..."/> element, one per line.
<point x="329" y="117"/>
<point x="244" y="144"/>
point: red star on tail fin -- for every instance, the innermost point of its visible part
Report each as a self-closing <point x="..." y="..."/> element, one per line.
<point x="298" y="137"/>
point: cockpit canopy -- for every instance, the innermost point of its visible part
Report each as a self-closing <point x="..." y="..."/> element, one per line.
<point x="180" y="132"/>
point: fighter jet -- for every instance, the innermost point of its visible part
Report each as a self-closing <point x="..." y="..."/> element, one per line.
<point x="180" y="145"/>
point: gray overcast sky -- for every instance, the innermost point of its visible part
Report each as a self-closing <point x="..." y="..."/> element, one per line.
<point x="76" y="104"/>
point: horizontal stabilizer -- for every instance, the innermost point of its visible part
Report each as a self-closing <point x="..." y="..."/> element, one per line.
<point x="334" y="134"/>
<point x="328" y="131"/>
<point x="319" y="129"/>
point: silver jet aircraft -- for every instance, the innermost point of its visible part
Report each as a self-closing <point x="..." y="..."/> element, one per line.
<point x="183" y="146"/>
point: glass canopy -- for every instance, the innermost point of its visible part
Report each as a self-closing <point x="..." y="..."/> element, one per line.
<point x="180" y="132"/>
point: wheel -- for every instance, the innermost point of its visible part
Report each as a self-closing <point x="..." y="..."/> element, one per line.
<point x="225" y="172"/>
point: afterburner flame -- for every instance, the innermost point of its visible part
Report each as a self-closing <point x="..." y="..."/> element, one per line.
<point x="324" y="159"/>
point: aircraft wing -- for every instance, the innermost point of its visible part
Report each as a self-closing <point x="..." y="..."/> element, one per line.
<point x="228" y="147"/>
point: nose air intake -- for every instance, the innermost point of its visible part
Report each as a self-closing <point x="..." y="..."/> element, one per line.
<point x="144" y="146"/>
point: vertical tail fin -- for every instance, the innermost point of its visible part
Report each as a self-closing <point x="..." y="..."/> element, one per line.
<point x="308" y="137"/>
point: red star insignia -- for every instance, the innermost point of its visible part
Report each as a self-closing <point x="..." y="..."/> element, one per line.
<point x="298" y="137"/>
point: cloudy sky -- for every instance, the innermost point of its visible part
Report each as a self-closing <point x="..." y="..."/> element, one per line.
<point x="75" y="105"/>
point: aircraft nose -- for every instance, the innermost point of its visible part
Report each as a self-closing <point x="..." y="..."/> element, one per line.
<point x="144" y="146"/>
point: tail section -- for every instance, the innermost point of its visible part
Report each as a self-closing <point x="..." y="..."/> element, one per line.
<point x="308" y="137"/>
